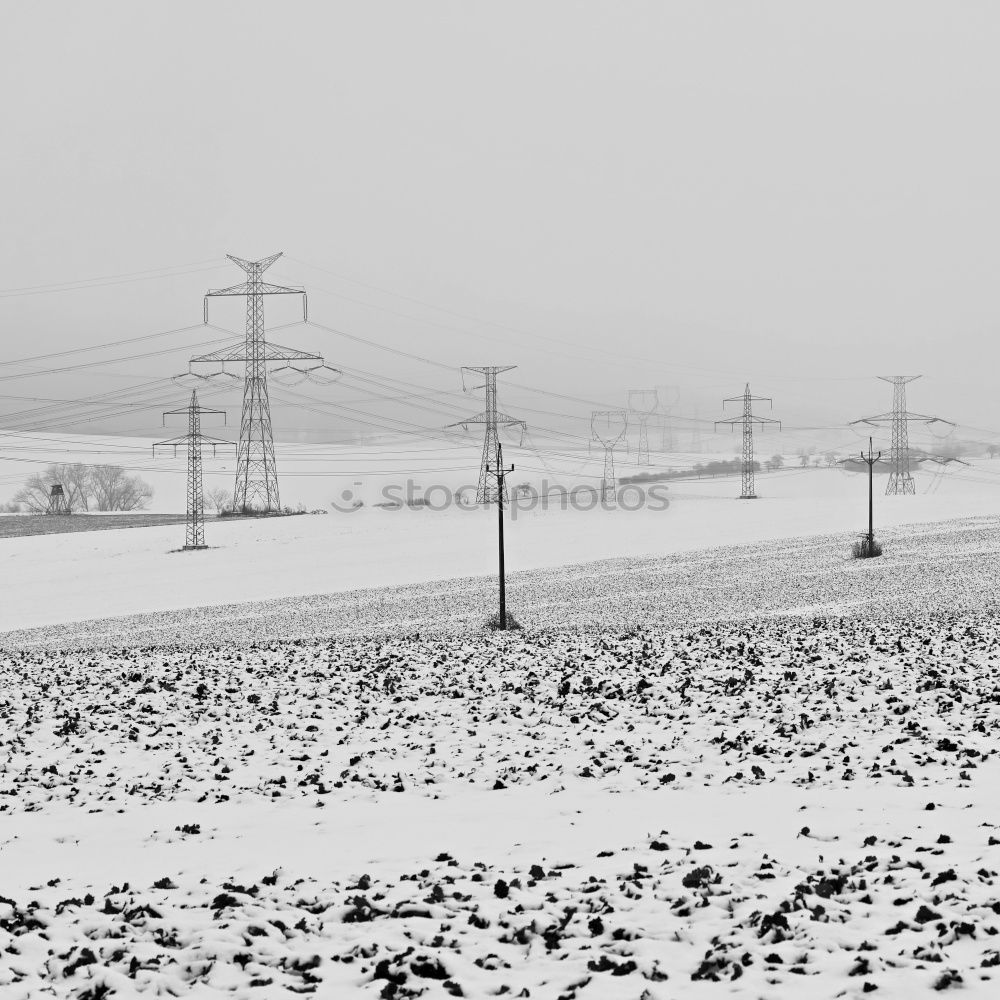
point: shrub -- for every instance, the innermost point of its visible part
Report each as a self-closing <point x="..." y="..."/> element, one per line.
<point x="861" y="549"/>
<point x="493" y="624"/>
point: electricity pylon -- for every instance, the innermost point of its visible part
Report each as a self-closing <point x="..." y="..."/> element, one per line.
<point x="490" y="489"/>
<point x="193" y="441"/>
<point x="603" y="424"/>
<point x="748" y="420"/>
<point x="900" y="480"/>
<point x="256" y="486"/>
<point x="667" y="396"/>
<point x="642" y="402"/>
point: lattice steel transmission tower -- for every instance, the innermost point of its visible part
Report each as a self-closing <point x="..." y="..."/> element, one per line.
<point x="643" y="403"/>
<point x="668" y="396"/>
<point x="900" y="480"/>
<point x="608" y="427"/>
<point x="194" y="440"/>
<point x="491" y="489"/>
<point x="256" y="488"/>
<point x="748" y="420"/>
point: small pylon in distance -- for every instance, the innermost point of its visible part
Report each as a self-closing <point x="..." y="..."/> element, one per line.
<point x="608" y="427"/>
<point x="642" y="403"/>
<point x="900" y="481"/>
<point x="490" y="488"/>
<point x="667" y="397"/>
<point x="747" y="419"/>
<point x="194" y="440"/>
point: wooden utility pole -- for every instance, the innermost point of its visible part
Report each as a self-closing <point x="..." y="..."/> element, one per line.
<point x="870" y="461"/>
<point x="501" y="474"/>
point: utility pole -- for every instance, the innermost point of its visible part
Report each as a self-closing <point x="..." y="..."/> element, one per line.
<point x="608" y="427"/>
<point x="193" y="441"/>
<point x="256" y="488"/>
<point x="900" y="480"/>
<point x="501" y="491"/>
<point x="748" y="420"/>
<point x="492" y="419"/>
<point x="870" y="462"/>
<point x="642" y="402"/>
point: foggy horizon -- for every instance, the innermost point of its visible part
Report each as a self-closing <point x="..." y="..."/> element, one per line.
<point x="609" y="198"/>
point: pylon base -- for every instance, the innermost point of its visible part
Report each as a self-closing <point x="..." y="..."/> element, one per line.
<point x="188" y="547"/>
<point x="752" y="496"/>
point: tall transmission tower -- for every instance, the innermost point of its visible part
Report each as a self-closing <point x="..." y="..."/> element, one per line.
<point x="256" y="488"/>
<point x="642" y="402"/>
<point x="194" y="440"/>
<point x="491" y="489"/>
<point x="668" y="396"/>
<point x="900" y="480"/>
<point x="608" y="427"/>
<point x="748" y="420"/>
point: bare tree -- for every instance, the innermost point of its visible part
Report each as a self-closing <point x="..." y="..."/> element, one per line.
<point x="34" y="494"/>
<point x="114" y="490"/>
<point x="103" y="487"/>
<point x="219" y="499"/>
<point x="75" y="479"/>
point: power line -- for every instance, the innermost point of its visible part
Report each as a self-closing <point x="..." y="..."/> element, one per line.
<point x="381" y="347"/>
<point x="609" y="357"/>
<point x="107" y="361"/>
<point x="114" y="279"/>
<point x="98" y="347"/>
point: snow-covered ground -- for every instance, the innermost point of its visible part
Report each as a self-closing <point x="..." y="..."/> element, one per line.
<point x="723" y="759"/>
<point x="77" y="577"/>
<point x="799" y="808"/>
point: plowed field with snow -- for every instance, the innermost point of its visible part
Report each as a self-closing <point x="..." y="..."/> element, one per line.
<point x="757" y="771"/>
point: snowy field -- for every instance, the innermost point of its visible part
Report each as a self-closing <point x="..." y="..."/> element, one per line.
<point x="722" y="759"/>
<point x="102" y="575"/>
<point x="801" y="808"/>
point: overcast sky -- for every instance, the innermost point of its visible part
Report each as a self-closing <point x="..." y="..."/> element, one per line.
<point x="611" y="195"/>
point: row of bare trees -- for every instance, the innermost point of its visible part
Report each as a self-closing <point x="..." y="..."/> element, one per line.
<point x="87" y="487"/>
